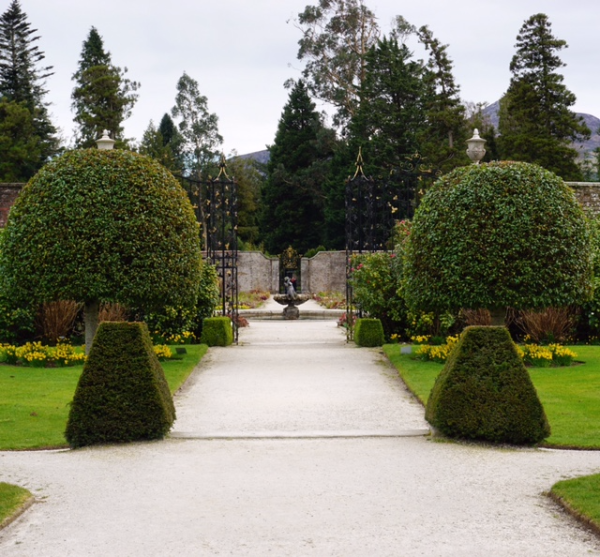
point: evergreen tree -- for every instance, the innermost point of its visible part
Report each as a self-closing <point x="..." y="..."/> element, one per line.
<point x="292" y="198"/>
<point x="536" y="124"/>
<point x="163" y="144"/>
<point x="198" y="128"/>
<point x="386" y="127"/>
<point x="22" y="83"/>
<point x="250" y="178"/>
<point x="442" y="143"/>
<point x="20" y="149"/>
<point x="103" y="97"/>
<point x="392" y="110"/>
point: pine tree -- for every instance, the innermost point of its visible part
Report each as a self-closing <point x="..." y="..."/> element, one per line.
<point x="536" y="124"/>
<point x="22" y="85"/>
<point x="292" y="199"/>
<point x="103" y="97"/>
<point x="442" y="143"/>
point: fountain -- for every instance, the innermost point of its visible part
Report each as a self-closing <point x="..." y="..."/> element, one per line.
<point x="291" y="300"/>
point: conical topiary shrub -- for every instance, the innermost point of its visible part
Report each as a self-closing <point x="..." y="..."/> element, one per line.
<point x="122" y="394"/>
<point x="484" y="392"/>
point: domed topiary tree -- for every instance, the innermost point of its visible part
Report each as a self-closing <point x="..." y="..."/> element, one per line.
<point x="498" y="235"/>
<point x="102" y="226"/>
<point x="493" y="236"/>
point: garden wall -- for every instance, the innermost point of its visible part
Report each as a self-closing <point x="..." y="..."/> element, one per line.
<point x="256" y="271"/>
<point x="325" y="272"/>
<point x="8" y="194"/>
<point x="588" y="194"/>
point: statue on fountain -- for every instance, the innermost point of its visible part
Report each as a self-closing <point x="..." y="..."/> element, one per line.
<point x="290" y="299"/>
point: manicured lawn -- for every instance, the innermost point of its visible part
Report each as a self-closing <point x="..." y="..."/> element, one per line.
<point x="580" y="495"/>
<point x="12" y="499"/>
<point x="34" y="402"/>
<point x="571" y="396"/>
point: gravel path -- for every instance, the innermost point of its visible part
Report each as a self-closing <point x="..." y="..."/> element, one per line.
<point x="294" y="443"/>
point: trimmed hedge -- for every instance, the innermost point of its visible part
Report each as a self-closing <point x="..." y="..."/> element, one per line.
<point x="369" y="333"/>
<point x="485" y="393"/>
<point x="122" y="394"/>
<point x="217" y="331"/>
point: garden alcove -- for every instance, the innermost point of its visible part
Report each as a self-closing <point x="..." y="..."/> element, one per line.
<point x="102" y="226"/>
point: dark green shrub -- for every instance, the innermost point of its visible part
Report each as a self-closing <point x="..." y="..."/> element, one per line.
<point x="122" y="394"/>
<point x="217" y="331"/>
<point x="498" y="235"/>
<point x="484" y="392"/>
<point x="369" y="333"/>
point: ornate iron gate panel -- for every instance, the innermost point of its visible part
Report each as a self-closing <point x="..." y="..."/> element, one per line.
<point x="221" y="210"/>
<point x="372" y="209"/>
<point x="216" y="204"/>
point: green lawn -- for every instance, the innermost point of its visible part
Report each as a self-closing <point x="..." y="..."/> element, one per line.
<point x="12" y="500"/>
<point x="580" y="496"/>
<point x="571" y="396"/>
<point x="34" y="402"/>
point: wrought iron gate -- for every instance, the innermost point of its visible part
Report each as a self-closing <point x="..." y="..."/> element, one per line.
<point x="216" y="204"/>
<point x="372" y="209"/>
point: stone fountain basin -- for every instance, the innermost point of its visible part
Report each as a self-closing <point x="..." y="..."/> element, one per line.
<point x="285" y="300"/>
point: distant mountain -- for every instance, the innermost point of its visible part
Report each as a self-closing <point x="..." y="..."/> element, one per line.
<point x="258" y="156"/>
<point x="491" y="113"/>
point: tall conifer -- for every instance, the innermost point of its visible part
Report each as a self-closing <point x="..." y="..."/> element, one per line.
<point x="103" y="97"/>
<point x="292" y="198"/>
<point x="536" y="124"/>
<point x="22" y="80"/>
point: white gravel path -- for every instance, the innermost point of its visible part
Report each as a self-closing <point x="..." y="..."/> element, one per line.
<point x="275" y="452"/>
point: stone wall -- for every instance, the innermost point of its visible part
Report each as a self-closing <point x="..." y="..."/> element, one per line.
<point x="325" y="272"/>
<point x="588" y="195"/>
<point x="8" y="194"/>
<point x="256" y="271"/>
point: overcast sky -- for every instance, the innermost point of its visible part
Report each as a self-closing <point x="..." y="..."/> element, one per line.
<point x="241" y="51"/>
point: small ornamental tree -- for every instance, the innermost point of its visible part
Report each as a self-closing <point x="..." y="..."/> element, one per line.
<point x="498" y="235"/>
<point x="102" y="226"/>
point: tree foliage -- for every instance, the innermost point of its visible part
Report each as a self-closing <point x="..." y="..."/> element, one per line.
<point x="163" y="144"/>
<point x="199" y="128"/>
<point x="536" y="123"/>
<point x="292" y="199"/>
<point x="27" y="136"/>
<point x="336" y="36"/>
<point x="102" y="226"/>
<point x="442" y="141"/>
<point x="498" y="235"/>
<point x="20" y="146"/>
<point x="391" y="113"/>
<point x="250" y="178"/>
<point x="102" y="97"/>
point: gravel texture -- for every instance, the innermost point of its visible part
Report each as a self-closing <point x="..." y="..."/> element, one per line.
<point x="295" y="443"/>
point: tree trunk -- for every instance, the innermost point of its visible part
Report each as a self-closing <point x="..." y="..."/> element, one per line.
<point x="90" y="318"/>
<point x="498" y="317"/>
